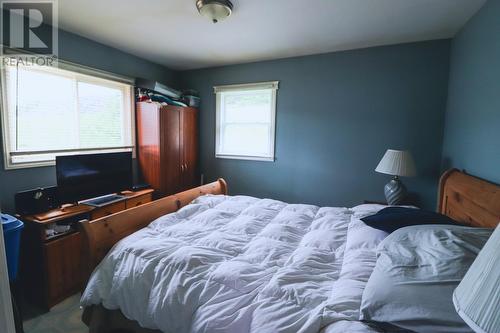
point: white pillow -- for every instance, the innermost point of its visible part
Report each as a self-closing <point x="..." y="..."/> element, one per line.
<point x="417" y="269"/>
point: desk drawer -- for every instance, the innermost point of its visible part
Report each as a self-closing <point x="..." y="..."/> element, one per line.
<point x="140" y="200"/>
<point x="108" y="210"/>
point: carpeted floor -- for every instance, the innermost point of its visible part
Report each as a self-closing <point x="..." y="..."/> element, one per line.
<point x="65" y="317"/>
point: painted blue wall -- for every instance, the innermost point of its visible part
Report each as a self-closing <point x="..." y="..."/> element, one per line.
<point x="83" y="51"/>
<point x="472" y="132"/>
<point x="337" y="114"/>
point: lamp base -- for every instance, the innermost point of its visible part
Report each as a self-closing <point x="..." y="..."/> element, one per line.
<point x="395" y="191"/>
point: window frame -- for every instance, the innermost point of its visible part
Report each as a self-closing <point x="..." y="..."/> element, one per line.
<point x="92" y="76"/>
<point x="218" y="90"/>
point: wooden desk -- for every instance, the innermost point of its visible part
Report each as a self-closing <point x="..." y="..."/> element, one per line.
<point x="51" y="267"/>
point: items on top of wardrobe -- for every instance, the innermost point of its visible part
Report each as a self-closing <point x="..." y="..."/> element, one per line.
<point x="152" y="91"/>
<point x="158" y="88"/>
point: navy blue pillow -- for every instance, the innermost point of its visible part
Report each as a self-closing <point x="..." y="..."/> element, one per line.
<point x="392" y="218"/>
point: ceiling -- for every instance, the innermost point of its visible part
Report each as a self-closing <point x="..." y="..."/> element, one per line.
<point x="172" y="33"/>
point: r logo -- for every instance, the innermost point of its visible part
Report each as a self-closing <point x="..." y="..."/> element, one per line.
<point x="29" y="26"/>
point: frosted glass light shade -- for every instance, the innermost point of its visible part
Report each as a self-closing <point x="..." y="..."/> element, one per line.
<point x="397" y="163"/>
<point x="477" y="297"/>
<point x="215" y="10"/>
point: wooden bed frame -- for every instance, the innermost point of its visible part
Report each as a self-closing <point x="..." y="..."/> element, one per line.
<point x="465" y="198"/>
<point x="100" y="235"/>
<point x="469" y="200"/>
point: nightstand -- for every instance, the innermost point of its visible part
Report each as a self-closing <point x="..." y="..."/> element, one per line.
<point x="410" y="200"/>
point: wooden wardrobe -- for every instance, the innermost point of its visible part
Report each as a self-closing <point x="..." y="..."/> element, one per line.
<point x="167" y="138"/>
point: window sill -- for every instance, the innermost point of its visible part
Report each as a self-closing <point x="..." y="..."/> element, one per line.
<point x="27" y="165"/>
<point x="247" y="158"/>
<point x="51" y="161"/>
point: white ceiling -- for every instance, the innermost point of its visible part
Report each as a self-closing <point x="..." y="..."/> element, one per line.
<point x="172" y="33"/>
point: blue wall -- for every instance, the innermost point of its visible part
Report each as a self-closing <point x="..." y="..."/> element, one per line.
<point x="337" y="114"/>
<point x="86" y="52"/>
<point x="472" y="133"/>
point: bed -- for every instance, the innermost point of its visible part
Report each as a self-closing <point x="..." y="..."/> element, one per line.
<point x="202" y="261"/>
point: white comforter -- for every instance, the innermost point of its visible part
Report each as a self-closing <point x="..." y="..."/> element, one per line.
<point x="241" y="264"/>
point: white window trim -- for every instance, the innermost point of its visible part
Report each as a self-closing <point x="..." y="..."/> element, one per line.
<point x="80" y="69"/>
<point x="274" y="86"/>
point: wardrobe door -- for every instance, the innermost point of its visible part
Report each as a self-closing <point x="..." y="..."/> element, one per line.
<point x="148" y="142"/>
<point x="170" y="146"/>
<point x="189" y="147"/>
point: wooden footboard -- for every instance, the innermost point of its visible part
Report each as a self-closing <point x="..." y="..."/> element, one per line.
<point x="100" y="235"/>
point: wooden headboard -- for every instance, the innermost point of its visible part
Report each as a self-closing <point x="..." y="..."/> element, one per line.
<point x="468" y="199"/>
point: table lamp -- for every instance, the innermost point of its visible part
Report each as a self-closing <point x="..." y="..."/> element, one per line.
<point x="398" y="163"/>
<point x="477" y="297"/>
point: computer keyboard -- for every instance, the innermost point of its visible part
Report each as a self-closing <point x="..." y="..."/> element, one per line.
<point x="103" y="200"/>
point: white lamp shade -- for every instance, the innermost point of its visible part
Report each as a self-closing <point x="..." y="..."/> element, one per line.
<point x="477" y="297"/>
<point x="397" y="163"/>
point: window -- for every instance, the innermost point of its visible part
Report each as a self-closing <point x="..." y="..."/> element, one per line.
<point x="50" y="111"/>
<point x="246" y="121"/>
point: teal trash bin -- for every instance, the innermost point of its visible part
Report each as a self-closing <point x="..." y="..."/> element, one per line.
<point x="12" y="228"/>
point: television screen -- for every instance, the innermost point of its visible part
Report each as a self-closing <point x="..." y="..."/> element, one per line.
<point x="82" y="177"/>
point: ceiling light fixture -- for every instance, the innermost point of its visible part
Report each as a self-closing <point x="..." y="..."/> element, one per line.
<point x="216" y="10"/>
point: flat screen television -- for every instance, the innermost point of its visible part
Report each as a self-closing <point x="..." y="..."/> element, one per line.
<point x="88" y="176"/>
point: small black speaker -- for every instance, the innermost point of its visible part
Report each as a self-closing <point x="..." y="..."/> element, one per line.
<point x="36" y="201"/>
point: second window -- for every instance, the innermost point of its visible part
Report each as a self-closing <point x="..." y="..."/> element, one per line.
<point x="245" y="121"/>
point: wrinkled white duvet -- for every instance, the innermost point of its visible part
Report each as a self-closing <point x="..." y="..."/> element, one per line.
<point x="241" y="264"/>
